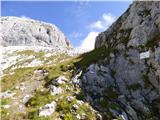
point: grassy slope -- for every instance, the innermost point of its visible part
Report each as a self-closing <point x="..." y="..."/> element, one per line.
<point x="41" y="98"/>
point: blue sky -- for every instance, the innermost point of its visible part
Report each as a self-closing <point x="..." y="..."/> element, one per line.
<point x="78" y="20"/>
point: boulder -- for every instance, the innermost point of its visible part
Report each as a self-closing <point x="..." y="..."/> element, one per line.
<point x="78" y="117"/>
<point x="75" y="107"/>
<point x="26" y="98"/>
<point x="75" y="80"/>
<point x="48" y="109"/>
<point x="6" y="106"/>
<point x="70" y="98"/>
<point x="55" y="90"/>
<point x="60" y="80"/>
<point x="40" y="71"/>
<point x="7" y="94"/>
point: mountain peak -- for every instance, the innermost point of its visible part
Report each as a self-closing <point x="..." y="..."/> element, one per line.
<point x="28" y="32"/>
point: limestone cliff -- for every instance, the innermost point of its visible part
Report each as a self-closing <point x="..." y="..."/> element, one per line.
<point x="127" y="81"/>
<point x="27" y="32"/>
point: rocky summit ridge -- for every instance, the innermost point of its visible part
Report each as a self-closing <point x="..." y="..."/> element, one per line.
<point x="17" y="31"/>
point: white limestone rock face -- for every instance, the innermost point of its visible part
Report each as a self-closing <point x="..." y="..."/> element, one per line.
<point x="27" y="32"/>
<point x="141" y="21"/>
<point x="131" y="69"/>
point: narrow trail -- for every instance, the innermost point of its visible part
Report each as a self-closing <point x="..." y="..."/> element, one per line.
<point x="24" y="91"/>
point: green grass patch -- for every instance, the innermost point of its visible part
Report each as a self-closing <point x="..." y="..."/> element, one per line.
<point x="94" y="56"/>
<point x="39" y="55"/>
<point x="69" y="116"/>
<point x="4" y="112"/>
<point x="84" y="109"/>
<point x="25" y="52"/>
<point x="5" y="101"/>
<point x="38" y="100"/>
<point x="64" y="106"/>
<point x="20" y="75"/>
<point x="56" y="58"/>
<point x="56" y="71"/>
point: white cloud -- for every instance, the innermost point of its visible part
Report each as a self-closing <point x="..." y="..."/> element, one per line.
<point x="89" y="41"/>
<point x="97" y="24"/>
<point x="102" y="24"/>
<point x="96" y="27"/>
<point x="108" y="19"/>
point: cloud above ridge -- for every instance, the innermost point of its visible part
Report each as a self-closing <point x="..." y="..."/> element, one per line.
<point x="96" y="27"/>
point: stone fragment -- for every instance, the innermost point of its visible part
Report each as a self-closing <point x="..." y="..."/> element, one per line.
<point x="48" y="109"/>
<point x="55" y="90"/>
<point x="7" y="94"/>
<point x="75" y="106"/>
